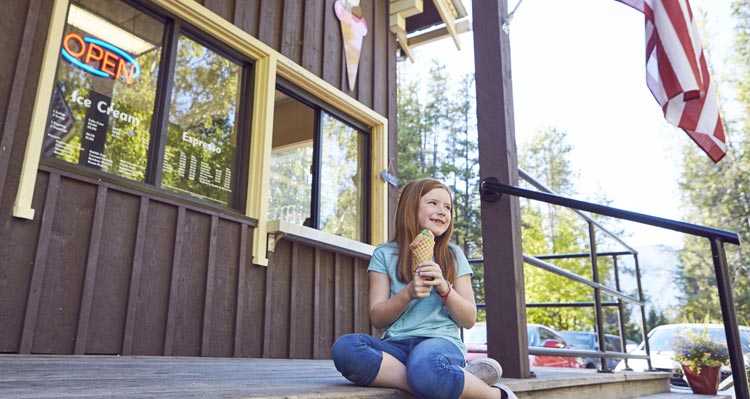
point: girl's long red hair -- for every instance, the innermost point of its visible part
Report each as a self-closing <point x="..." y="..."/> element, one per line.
<point x="407" y="227"/>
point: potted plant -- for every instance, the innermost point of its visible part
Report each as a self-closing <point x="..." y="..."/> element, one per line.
<point x="701" y="357"/>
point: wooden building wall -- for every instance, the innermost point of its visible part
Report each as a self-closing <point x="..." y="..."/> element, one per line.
<point x="107" y="269"/>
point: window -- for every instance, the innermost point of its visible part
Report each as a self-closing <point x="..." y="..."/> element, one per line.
<point x="137" y="149"/>
<point x="111" y="109"/>
<point x="319" y="169"/>
<point x="202" y="134"/>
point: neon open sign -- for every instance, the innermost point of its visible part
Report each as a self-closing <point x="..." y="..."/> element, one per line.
<point x="99" y="58"/>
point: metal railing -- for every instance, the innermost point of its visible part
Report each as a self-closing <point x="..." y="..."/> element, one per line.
<point x="491" y="189"/>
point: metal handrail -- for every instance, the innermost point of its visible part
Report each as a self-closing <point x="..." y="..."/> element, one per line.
<point x="541" y="187"/>
<point x="491" y="189"/>
<point x="491" y="186"/>
<point x="572" y="276"/>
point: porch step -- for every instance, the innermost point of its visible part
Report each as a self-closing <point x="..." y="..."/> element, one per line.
<point x="673" y="395"/>
<point x="47" y="376"/>
<point x="561" y="383"/>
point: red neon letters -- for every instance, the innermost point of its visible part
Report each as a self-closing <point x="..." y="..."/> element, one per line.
<point x="99" y="58"/>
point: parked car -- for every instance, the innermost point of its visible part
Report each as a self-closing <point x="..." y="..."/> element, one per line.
<point x="589" y="340"/>
<point x="661" y="340"/>
<point x="539" y="336"/>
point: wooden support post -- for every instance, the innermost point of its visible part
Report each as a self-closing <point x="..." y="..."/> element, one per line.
<point x="501" y="226"/>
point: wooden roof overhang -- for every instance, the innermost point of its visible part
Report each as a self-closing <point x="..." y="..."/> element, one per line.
<point x="416" y="22"/>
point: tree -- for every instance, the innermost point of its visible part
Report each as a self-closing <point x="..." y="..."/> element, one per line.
<point x="719" y="195"/>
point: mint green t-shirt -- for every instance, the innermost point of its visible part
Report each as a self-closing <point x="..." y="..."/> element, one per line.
<point x="423" y="317"/>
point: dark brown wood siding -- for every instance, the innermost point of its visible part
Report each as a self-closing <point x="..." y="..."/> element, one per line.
<point x="107" y="269"/>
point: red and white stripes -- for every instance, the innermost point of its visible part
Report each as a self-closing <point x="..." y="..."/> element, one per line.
<point x="677" y="73"/>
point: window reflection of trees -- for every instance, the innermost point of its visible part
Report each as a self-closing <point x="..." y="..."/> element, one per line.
<point x="291" y="185"/>
<point x="127" y="143"/>
<point x="204" y="100"/>
<point x="342" y="170"/>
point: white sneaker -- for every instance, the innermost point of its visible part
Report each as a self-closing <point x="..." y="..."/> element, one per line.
<point x="487" y="369"/>
<point x="506" y="392"/>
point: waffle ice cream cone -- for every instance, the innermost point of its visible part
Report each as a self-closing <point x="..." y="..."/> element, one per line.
<point x="423" y="246"/>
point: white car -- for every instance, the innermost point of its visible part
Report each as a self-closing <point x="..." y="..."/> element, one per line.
<point x="660" y="341"/>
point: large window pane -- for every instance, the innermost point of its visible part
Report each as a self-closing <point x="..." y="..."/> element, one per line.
<point x="311" y="148"/>
<point x="291" y="161"/>
<point x="202" y="136"/>
<point x="342" y="184"/>
<point x="103" y="101"/>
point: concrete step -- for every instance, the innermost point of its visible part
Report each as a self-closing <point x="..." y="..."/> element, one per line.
<point x="560" y="383"/>
<point x="673" y="395"/>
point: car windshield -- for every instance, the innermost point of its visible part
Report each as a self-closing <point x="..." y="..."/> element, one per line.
<point x="580" y="339"/>
<point x="662" y="339"/>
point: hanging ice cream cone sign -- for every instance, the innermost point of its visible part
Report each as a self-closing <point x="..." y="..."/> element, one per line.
<point x="353" y="30"/>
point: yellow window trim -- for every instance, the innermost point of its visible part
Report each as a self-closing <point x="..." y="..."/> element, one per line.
<point x="268" y="65"/>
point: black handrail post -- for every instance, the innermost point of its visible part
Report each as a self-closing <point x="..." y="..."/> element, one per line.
<point x="723" y="283"/>
<point x="620" y="312"/>
<point x="604" y="367"/>
<point x="644" y="333"/>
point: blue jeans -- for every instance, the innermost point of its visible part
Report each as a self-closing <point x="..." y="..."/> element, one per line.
<point x="434" y="366"/>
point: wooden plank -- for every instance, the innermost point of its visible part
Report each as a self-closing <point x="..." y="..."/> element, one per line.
<point x="39" y="265"/>
<point x="270" y="23"/>
<point x="224" y="8"/>
<point x="316" y="304"/>
<point x="62" y="286"/>
<point x="362" y="297"/>
<point x="344" y="280"/>
<point x="169" y="337"/>
<point x="333" y="60"/>
<point x="367" y="65"/>
<point x="154" y="294"/>
<point x="380" y="37"/>
<point x="251" y="303"/>
<point x="242" y="292"/>
<point x="225" y="282"/>
<point x="312" y="45"/>
<point x="177" y="377"/>
<point x="247" y="15"/>
<point x="503" y="266"/>
<point x="208" y="307"/>
<point x="91" y="267"/>
<point x="113" y="274"/>
<point x="18" y="85"/>
<point x="291" y="30"/>
<point x="276" y="334"/>
<point x="135" y="278"/>
<point x="191" y="285"/>
<point x="296" y="284"/>
<point x="302" y="303"/>
<point x="327" y="304"/>
<point x="18" y="250"/>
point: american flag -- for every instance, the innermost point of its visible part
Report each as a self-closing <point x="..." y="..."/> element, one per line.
<point x="677" y="73"/>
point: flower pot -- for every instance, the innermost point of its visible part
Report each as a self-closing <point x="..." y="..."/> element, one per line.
<point x="704" y="383"/>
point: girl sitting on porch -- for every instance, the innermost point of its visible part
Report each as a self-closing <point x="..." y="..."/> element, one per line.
<point x="421" y="350"/>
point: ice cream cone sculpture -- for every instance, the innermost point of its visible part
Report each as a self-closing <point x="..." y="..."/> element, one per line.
<point x="353" y="29"/>
<point x="423" y="246"/>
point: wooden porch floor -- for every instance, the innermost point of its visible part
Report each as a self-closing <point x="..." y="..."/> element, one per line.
<point x="44" y="376"/>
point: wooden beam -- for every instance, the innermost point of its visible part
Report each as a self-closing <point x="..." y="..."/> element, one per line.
<point x="462" y="26"/>
<point x="398" y="27"/>
<point x="501" y="220"/>
<point x="407" y="8"/>
<point x="448" y="13"/>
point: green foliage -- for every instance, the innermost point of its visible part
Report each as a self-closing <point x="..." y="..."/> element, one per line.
<point x="437" y="138"/>
<point x="719" y="195"/>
